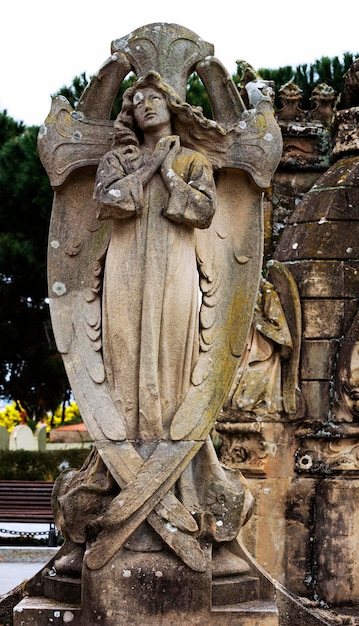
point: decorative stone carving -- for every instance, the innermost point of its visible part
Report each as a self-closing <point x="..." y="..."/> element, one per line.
<point x="266" y="380"/>
<point x="323" y="99"/>
<point x="346" y="405"/>
<point x="123" y="248"/>
<point x="328" y="455"/>
<point x="346" y="128"/>
<point x="252" y="88"/>
<point x="319" y="244"/>
<point x="336" y="541"/>
<point x="306" y="134"/>
<point x="290" y="97"/>
<point x="243" y="447"/>
<point x="350" y="94"/>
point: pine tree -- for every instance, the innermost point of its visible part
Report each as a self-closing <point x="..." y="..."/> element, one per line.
<point x="31" y="370"/>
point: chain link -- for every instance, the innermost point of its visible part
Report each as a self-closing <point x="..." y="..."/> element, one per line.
<point x="21" y="533"/>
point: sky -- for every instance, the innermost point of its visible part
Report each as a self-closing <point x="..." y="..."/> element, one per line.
<point x="44" y="45"/>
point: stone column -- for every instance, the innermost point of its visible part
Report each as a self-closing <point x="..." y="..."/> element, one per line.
<point x="336" y="540"/>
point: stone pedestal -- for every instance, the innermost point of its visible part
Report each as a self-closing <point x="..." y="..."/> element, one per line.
<point x="156" y="589"/>
<point x="144" y="588"/>
<point x="44" y="611"/>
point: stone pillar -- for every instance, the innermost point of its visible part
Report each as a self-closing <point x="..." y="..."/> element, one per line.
<point x="299" y="536"/>
<point x="336" y="540"/>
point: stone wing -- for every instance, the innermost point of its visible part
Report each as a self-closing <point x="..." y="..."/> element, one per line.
<point x="229" y="257"/>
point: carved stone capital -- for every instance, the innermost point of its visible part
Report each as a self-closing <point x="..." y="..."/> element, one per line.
<point x="245" y="450"/>
<point x="328" y="455"/>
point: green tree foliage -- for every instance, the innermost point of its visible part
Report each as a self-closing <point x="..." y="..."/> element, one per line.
<point x="307" y="76"/>
<point x="74" y="91"/>
<point x="197" y="95"/>
<point x="31" y="371"/>
<point x="9" y="128"/>
<point x="35" y="465"/>
<point x="79" y="83"/>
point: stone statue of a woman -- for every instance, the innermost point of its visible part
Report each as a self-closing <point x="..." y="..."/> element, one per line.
<point x="155" y="253"/>
<point x="157" y="192"/>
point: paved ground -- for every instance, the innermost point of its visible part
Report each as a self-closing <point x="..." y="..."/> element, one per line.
<point x="19" y="564"/>
<point x="12" y="574"/>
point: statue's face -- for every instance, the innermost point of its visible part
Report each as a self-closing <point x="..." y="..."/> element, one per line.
<point x="150" y="109"/>
<point x="351" y="398"/>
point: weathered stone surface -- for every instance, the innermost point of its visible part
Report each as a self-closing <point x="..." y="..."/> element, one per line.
<point x="268" y="546"/>
<point x="40" y="611"/>
<point x="351" y="274"/>
<point x="317" y="399"/>
<point x="304" y="529"/>
<point x="319" y="244"/>
<point x="328" y="453"/>
<point x="319" y="247"/>
<point x="257" y="448"/>
<point x="347" y="135"/>
<point x="320" y="240"/>
<point x="299" y="512"/>
<point x="336" y="542"/>
<point x="148" y="590"/>
<point x="129" y="247"/>
<point x="239" y="590"/>
<point x="307" y="138"/>
<point x="335" y="197"/>
<point x="323" y="318"/>
<point x="320" y="279"/>
<point x="288" y="189"/>
<point x="305" y="145"/>
<point x="318" y="359"/>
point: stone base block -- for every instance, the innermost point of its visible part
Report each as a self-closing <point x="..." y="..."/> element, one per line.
<point x="151" y="589"/>
<point x="40" y="611"/>
<point x="63" y="589"/>
<point x="255" y="613"/>
<point x="234" y="589"/>
<point x="43" y="612"/>
<point x="138" y="588"/>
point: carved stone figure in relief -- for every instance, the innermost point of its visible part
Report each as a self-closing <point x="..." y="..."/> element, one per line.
<point x="266" y="382"/>
<point x="346" y="406"/>
<point x="257" y="388"/>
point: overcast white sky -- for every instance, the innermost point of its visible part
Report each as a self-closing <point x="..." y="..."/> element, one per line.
<point x="44" y="45"/>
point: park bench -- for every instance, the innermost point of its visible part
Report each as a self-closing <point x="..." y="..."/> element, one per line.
<point x="23" y="501"/>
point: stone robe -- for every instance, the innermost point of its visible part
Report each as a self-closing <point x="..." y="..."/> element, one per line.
<point x="151" y="338"/>
<point x="151" y="286"/>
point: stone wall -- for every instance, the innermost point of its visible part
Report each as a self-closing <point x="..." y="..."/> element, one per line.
<point x="301" y="460"/>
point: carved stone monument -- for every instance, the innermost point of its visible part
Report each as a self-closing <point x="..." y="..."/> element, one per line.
<point x="301" y="460"/>
<point x="155" y="258"/>
<point x="320" y="245"/>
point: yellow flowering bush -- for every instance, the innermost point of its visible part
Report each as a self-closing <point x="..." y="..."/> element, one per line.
<point x="72" y="416"/>
<point x="13" y="414"/>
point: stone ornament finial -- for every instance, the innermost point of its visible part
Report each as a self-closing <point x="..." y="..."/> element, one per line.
<point x="346" y="120"/>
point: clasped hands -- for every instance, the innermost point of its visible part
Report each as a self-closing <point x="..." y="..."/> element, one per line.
<point x="164" y="154"/>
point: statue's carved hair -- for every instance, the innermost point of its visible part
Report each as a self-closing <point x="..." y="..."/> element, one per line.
<point x="195" y="130"/>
